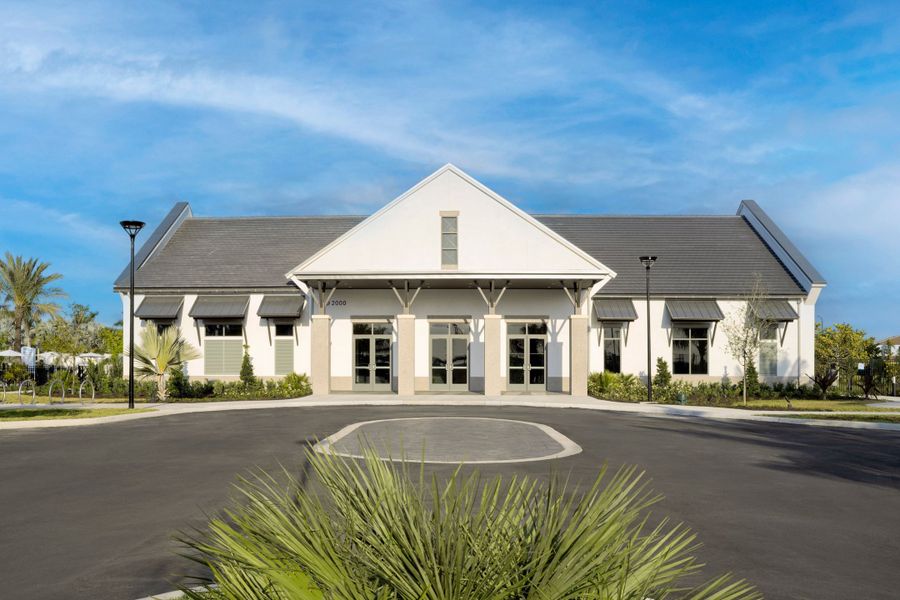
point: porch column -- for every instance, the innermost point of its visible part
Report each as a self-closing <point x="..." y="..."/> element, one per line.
<point x="320" y="358"/>
<point x="579" y="331"/>
<point x="406" y="355"/>
<point x="493" y="382"/>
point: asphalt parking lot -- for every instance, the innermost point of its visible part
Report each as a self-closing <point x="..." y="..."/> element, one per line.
<point x="802" y="512"/>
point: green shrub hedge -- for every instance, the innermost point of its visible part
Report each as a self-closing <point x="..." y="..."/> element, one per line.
<point x="291" y="386"/>
<point x="628" y="388"/>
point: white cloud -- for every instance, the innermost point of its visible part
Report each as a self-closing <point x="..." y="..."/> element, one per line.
<point x="431" y="113"/>
<point x="40" y="222"/>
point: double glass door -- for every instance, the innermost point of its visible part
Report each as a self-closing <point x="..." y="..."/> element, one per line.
<point x="372" y="357"/>
<point x="527" y="359"/>
<point x="449" y="356"/>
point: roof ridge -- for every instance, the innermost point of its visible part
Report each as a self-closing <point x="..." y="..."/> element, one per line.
<point x="626" y="216"/>
<point x="269" y="217"/>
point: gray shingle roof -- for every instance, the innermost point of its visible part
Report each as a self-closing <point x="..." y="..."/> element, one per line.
<point x="253" y="252"/>
<point x="698" y="256"/>
<point x="707" y="255"/>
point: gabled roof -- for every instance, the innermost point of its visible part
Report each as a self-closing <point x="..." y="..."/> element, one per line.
<point x="697" y="256"/>
<point x="783" y="247"/>
<point x="251" y="252"/>
<point x="711" y="256"/>
<point x="523" y="245"/>
<point x="157" y="239"/>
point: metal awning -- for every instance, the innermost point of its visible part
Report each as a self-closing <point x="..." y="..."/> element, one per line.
<point x="160" y="308"/>
<point x="777" y="310"/>
<point x="614" y="309"/>
<point x="281" y="307"/>
<point x="694" y="310"/>
<point x="220" y="307"/>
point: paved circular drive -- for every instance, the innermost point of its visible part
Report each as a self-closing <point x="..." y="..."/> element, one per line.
<point x="451" y="440"/>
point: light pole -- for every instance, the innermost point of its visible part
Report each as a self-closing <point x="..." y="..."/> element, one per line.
<point x="131" y="228"/>
<point x="648" y="261"/>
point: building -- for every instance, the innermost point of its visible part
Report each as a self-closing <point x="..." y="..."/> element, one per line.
<point x="452" y="288"/>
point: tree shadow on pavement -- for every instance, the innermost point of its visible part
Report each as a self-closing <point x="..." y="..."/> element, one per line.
<point x="860" y="455"/>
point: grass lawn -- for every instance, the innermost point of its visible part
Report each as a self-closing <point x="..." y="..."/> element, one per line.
<point x="13" y="398"/>
<point x="866" y="418"/>
<point x="39" y="414"/>
<point x="817" y="405"/>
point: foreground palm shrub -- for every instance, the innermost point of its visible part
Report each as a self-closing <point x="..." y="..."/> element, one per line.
<point x="376" y="532"/>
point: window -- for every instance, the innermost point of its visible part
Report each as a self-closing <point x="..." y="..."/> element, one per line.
<point x="223" y="356"/>
<point x="284" y="330"/>
<point x="449" y="242"/>
<point x="768" y="350"/>
<point x="372" y="329"/>
<point x="159" y="325"/>
<point x="690" y="351"/>
<point x="223" y="329"/>
<point x="612" y="348"/>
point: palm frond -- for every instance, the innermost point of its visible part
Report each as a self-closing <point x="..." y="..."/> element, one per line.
<point x="376" y="531"/>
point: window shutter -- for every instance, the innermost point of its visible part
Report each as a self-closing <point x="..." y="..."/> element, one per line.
<point x="284" y="356"/>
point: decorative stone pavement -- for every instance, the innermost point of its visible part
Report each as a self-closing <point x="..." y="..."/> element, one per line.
<point x="451" y="440"/>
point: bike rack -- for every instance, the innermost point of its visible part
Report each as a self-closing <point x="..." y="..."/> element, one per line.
<point x="33" y="394"/>
<point x="81" y="389"/>
<point x="62" y="399"/>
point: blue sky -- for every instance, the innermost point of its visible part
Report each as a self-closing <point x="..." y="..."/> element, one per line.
<point x="107" y="112"/>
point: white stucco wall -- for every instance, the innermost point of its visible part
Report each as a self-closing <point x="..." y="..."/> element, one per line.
<point x="795" y="349"/>
<point x="256" y="336"/>
<point x="799" y="334"/>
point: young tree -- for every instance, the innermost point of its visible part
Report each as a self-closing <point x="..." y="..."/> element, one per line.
<point x="743" y="326"/>
<point x="663" y="377"/>
<point x="247" y="376"/>
<point x="842" y="346"/>
<point x="26" y="293"/>
<point x="159" y="353"/>
<point x="111" y="341"/>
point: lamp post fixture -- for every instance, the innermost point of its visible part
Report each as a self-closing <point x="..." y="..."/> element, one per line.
<point x="648" y="261"/>
<point x="131" y="228"/>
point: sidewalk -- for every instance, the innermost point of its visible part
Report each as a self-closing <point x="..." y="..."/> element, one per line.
<point x="888" y="402"/>
<point x="537" y="401"/>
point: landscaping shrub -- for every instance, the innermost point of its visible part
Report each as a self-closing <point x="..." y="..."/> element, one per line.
<point x="627" y="388"/>
<point x="663" y="377"/>
<point x="752" y="380"/>
<point x="179" y="386"/>
<point x="296" y="385"/>
<point x="616" y="386"/>
<point x="376" y="531"/>
<point x="291" y="386"/>
<point x="14" y="373"/>
<point x="247" y="376"/>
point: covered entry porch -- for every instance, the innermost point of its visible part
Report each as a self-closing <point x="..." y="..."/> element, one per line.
<point x="449" y="335"/>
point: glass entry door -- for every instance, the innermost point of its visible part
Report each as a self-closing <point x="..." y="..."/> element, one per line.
<point x="372" y="357"/>
<point x="527" y="357"/>
<point x="449" y="356"/>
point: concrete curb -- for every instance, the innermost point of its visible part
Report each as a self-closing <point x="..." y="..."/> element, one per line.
<point x="547" y="401"/>
<point x="175" y="595"/>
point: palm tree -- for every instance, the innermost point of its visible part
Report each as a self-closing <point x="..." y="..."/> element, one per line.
<point x="159" y="353"/>
<point x="381" y="530"/>
<point x="25" y="294"/>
